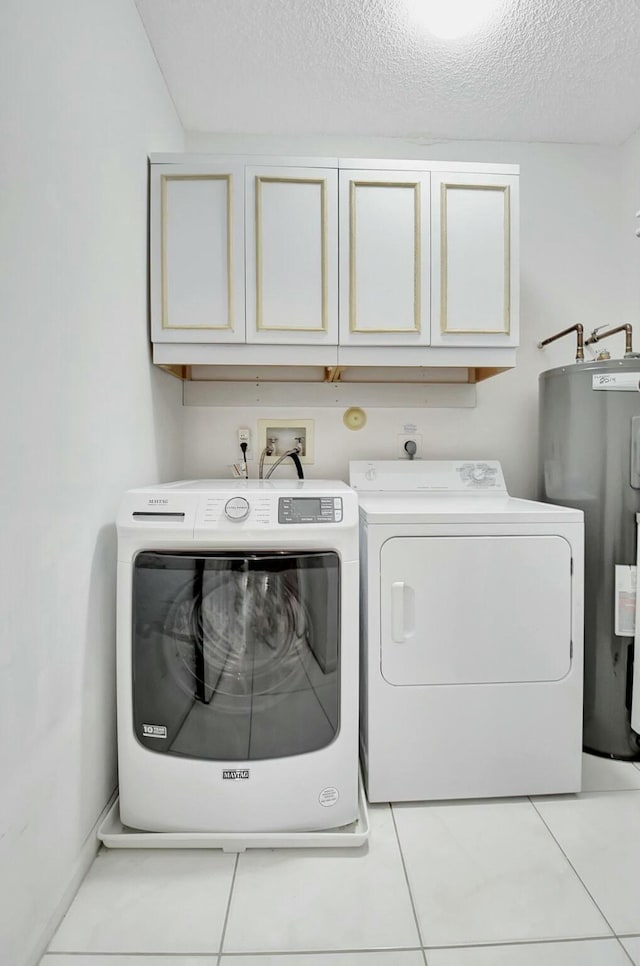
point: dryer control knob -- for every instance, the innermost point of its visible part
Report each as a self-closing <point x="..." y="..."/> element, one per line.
<point x="479" y="473"/>
<point x="237" y="508"/>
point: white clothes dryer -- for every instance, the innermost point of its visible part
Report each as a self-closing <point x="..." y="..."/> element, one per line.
<point x="237" y="647"/>
<point x="471" y="634"/>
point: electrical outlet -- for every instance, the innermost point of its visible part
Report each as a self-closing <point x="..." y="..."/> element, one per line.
<point x="244" y="436"/>
<point x="404" y="438"/>
<point x="286" y="432"/>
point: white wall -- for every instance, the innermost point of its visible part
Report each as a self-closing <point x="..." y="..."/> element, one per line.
<point x="84" y="416"/>
<point x="630" y="222"/>
<point x="576" y="266"/>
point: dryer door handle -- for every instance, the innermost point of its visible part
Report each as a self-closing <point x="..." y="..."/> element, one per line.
<point x="402" y="611"/>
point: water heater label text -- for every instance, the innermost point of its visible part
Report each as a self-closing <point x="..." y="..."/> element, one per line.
<point x="621" y="381"/>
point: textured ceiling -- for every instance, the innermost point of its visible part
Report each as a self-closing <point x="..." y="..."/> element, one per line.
<point x="541" y="70"/>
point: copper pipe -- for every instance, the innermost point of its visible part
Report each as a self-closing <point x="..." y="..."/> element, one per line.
<point x="628" y="333"/>
<point x="578" y="328"/>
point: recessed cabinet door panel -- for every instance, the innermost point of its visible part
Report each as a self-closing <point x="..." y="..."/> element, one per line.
<point x="384" y="256"/>
<point x="292" y="255"/>
<point x="476" y="609"/>
<point x="475" y="260"/>
<point x="197" y="264"/>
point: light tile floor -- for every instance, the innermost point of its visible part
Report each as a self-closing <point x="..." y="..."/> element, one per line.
<point x="551" y="880"/>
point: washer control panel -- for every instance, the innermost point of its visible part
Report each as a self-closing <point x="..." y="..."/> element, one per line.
<point x="237" y="508"/>
<point x="310" y="509"/>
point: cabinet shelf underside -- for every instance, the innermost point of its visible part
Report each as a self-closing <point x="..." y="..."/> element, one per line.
<point x="413" y="375"/>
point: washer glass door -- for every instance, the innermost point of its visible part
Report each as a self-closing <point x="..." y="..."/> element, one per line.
<point x="235" y="657"/>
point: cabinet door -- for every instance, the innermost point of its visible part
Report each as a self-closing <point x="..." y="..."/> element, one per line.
<point x="475" y="290"/>
<point x="384" y="258"/>
<point x="197" y="253"/>
<point x="292" y="255"/>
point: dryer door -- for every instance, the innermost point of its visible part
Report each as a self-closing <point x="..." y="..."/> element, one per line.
<point x="475" y="609"/>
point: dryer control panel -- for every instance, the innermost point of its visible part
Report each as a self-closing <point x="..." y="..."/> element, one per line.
<point x="433" y="476"/>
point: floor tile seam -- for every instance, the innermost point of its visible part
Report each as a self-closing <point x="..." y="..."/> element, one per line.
<point x="205" y="957"/>
<point x="406" y="878"/>
<point x="625" y="951"/>
<point x="345" y="950"/>
<point x="587" y="794"/>
<point x="228" y="909"/>
<point x="158" y="954"/>
<point x="367" y="949"/>
<point x="500" y="943"/>
<point x="627" y="935"/>
<point x="243" y="952"/>
<point x="572" y="866"/>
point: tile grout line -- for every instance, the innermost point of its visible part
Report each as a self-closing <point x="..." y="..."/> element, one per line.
<point x="406" y="877"/>
<point x="507" y="943"/>
<point x="226" y="915"/>
<point x="583" y="883"/>
<point x="135" y="955"/>
<point x="625" y="951"/>
<point x="348" y="951"/>
<point x="351" y="951"/>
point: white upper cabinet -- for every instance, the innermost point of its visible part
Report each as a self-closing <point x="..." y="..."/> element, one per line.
<point x="197" y="253"/>
<point x="474" y="229"/>
<point x="291" y="226"/>
<point x="336" y="263"/>
<point x="384" y="258"/>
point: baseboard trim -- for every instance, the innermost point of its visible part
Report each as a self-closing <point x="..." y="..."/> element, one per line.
<point x="81" y="866"/>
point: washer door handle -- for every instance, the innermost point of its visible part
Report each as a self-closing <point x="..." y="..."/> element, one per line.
<point x="402" y="611"/>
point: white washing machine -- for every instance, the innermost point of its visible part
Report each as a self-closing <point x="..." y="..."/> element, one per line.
<point x="237" y="666"/>
<point x="471" y="634"/>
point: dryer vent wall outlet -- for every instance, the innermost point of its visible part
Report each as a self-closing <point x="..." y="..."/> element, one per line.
<point x="286" y="433"/>
<point x="406" y="438"/>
